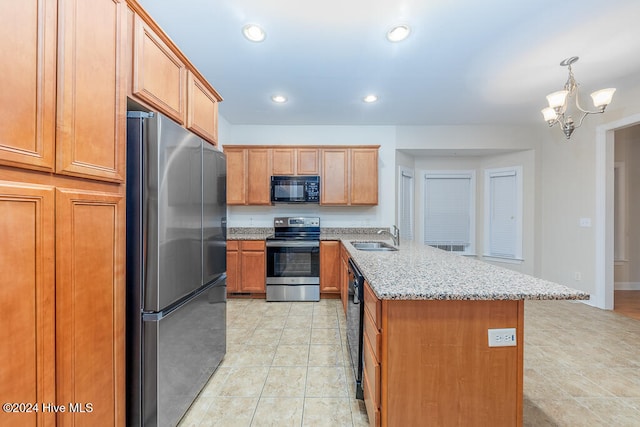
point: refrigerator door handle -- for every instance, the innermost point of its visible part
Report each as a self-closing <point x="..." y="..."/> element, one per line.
<point x="157" y="316"/>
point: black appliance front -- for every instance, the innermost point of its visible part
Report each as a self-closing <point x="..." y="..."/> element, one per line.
<point x="293" y="270"/>
<point x="289" y="259"/>
<point x="355" y="315"/>
<point x="295" y="189"/>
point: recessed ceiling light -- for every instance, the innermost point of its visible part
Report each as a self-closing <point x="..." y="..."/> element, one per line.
<point x="253" y="33"/>
<point x="370" y="98"/>
<point x="279" y="99"/>
<point x="398" y="33"/>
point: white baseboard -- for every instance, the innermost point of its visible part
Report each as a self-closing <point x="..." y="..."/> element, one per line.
<point x="627" y="286"/>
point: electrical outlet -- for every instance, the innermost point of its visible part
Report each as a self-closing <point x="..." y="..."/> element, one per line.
<point x="502" y="337"/>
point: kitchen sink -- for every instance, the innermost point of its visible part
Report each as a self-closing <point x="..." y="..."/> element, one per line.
<point x="373" y="246"/>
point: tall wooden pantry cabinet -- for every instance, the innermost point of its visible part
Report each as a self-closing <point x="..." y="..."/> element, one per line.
<point x="62" y="210"/>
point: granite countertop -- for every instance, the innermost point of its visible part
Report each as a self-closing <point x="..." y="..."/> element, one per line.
<point x="418" y="272"/>
<point x="249" y="233"/>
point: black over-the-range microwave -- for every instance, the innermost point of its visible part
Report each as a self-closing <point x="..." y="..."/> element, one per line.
<point x="295" y="189"/>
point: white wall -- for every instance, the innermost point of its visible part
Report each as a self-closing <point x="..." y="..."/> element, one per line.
<point x="468" y="137"/>
<point x="571" y="174"/>
<point x="479" y="163"/>
<point x="568" y="185"/>
<point x="382" y="215"/>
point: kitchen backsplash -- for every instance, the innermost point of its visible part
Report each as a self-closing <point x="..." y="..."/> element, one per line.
<point x="323" y="230"/>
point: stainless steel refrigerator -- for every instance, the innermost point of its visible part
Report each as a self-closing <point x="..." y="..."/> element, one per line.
<point x="176" y="267"/>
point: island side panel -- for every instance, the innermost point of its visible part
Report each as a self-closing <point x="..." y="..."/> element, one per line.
<point x="437" y="367"/>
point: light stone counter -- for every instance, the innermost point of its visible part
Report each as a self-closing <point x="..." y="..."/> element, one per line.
<point x="418" y="272"/>
<point x="249" y="233"/>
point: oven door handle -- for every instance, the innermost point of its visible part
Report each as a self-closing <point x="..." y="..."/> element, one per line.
<point x="293" y="244"/>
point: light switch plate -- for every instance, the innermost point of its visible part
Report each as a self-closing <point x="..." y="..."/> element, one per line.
<point x="502" y="337"/>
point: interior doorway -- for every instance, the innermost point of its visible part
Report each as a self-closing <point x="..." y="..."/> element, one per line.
<point x="626" y="205"/>
<point x="605" y="212"/>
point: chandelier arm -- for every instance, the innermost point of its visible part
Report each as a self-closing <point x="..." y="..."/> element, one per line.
<point x="582" y="109"/>
<point x="582" y="118"/>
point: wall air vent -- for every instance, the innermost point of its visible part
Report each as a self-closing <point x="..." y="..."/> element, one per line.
<point x="450" y="248"/>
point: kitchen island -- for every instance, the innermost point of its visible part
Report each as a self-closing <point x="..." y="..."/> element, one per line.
<point x="427" y="360"/>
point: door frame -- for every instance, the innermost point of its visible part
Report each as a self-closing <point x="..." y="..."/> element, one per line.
<point x="604" y="209"/>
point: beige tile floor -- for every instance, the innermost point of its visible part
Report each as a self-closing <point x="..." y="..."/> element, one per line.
<point x="287" y="365"/>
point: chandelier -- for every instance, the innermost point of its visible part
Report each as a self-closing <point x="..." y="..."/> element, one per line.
<point x="556" y="112"/>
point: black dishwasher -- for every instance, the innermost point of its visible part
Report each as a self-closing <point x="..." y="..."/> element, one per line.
<point x="355" y="313"/>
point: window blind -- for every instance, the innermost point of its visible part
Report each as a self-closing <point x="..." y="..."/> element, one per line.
<point x="405" y="204"/>
<point x="503" y="214"/>
<point x="447" y="209"/>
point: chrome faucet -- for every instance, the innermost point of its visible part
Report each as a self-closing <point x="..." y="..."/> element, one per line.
<point x="395" y="234"/>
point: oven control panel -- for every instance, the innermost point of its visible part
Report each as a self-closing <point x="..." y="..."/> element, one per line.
<point x="296" y="222"/>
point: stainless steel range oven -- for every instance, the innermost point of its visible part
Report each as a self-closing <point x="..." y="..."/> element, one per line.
<point x="293" y="260"/>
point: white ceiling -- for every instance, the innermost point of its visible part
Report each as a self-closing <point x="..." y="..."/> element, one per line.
<point x="465" y="62"/>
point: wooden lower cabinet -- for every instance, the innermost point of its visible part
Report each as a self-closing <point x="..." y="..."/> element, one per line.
<point x="62" y="294"/>
<point x="330" y="267"/>
<point x="90" y="303"/>
<point x="233" y="266"/>
<point x="246" y="266"/>
<point x="433" y="365"/>
<point x="27" y="300"/>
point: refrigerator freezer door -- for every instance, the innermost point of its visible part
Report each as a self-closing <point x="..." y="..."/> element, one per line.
<point x="172" y="178"/>
<point x="181" y="351"/>
<point x="214" y="213"/>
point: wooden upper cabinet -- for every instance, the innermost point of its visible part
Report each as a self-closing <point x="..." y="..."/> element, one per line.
<point x="364" y="176"/>
<point x="248" y="176"/>
<point x="236" y="176"/>
<point x="284" y="161"/>
<point x="90" y="305"/>
<point x="28" y="95"/>
<point x="307" y="161"/>
<point x="91" y="130"/>
<point x="202" y="109"/>
<point x="348" y="174"/>
<point x="295" y="161"/>
<point x="334" y="188"/>
<point x="159" y="75"/>
<point x="259" y="176"/>
<point x="27" y="295"/>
